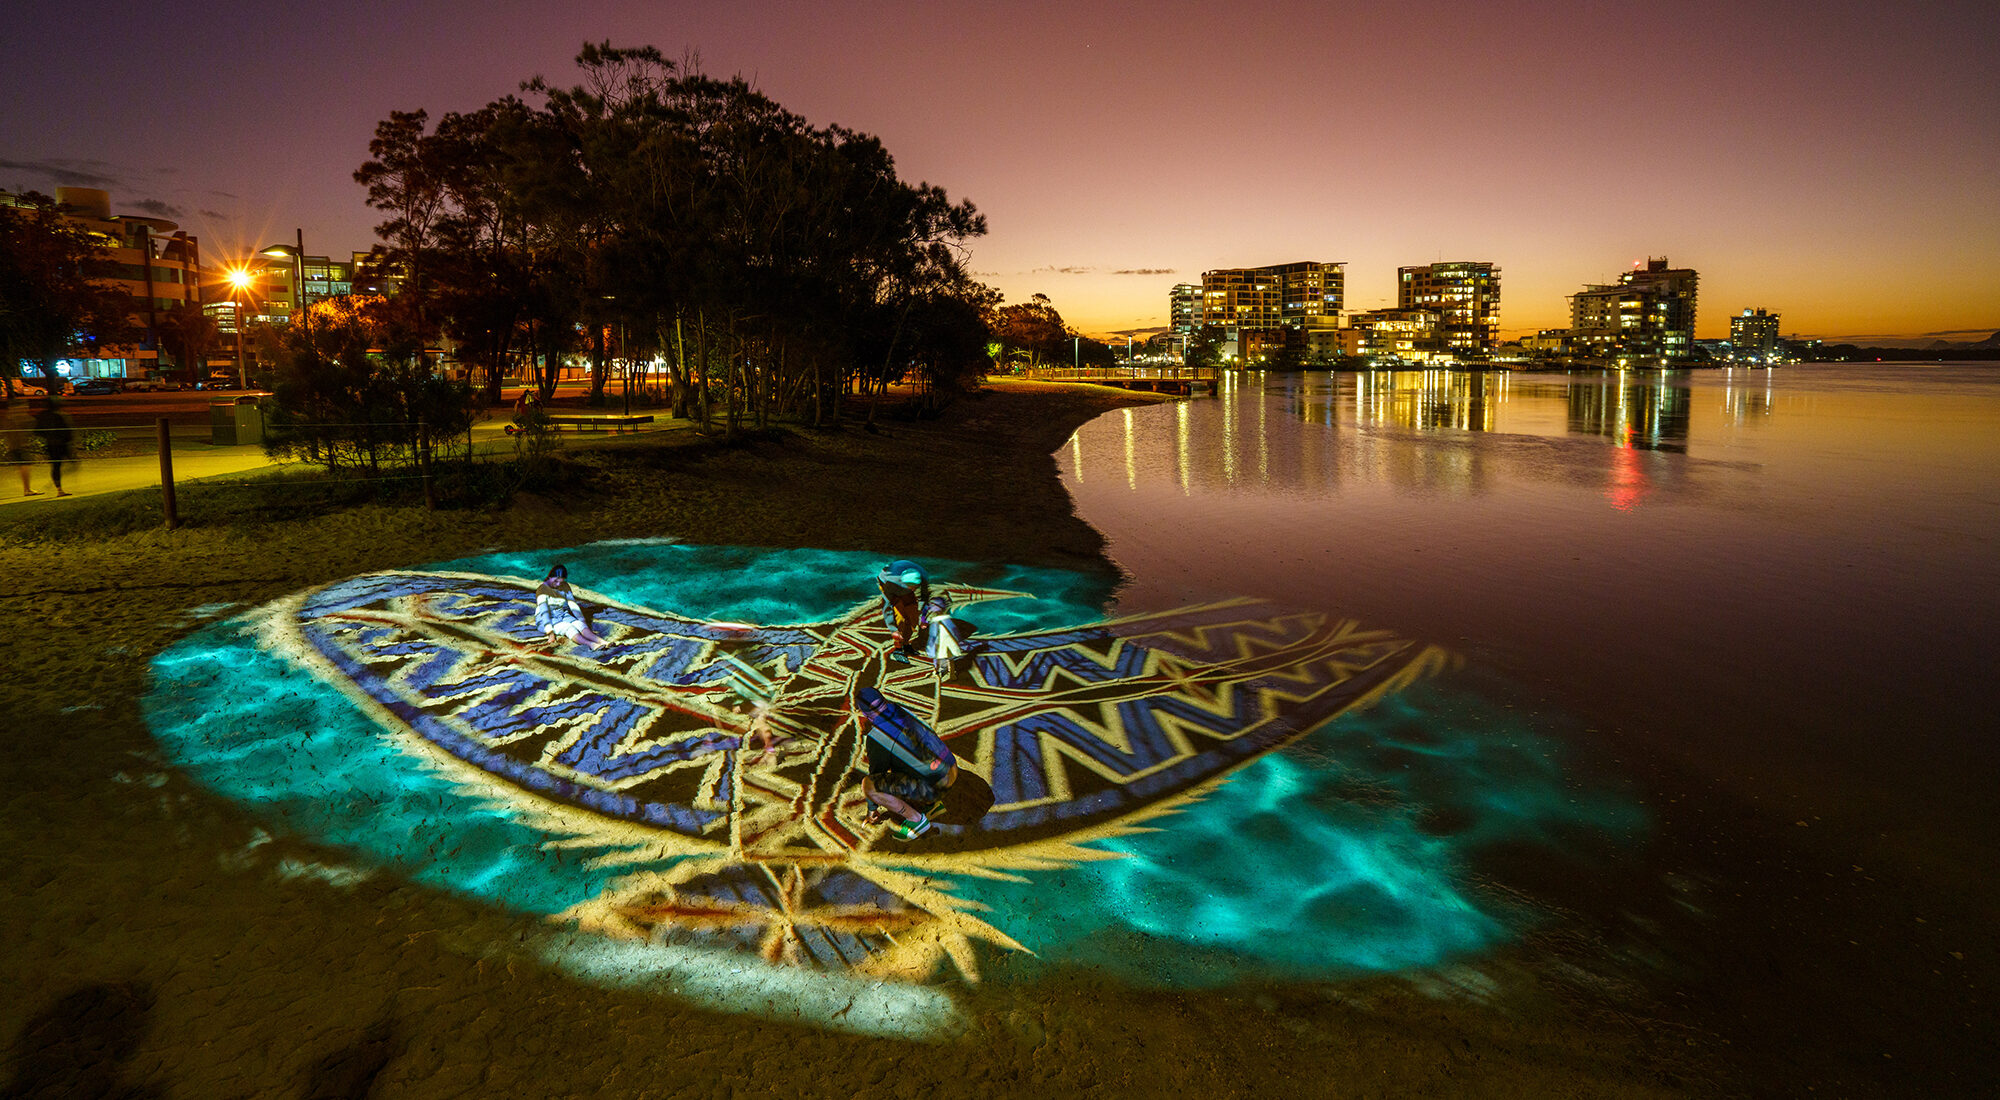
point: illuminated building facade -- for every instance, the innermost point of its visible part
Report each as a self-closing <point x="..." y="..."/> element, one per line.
<point x="1646" y="317"/>
<point x="1406" y="334"/>
<point x="1184" y="309"/>
<point x="1754" y="335"/>
<point x="1244" y="299"/>
<point x="1309" y="293"/>
<point x="1328" y="345"/>
<point x="276" y="294"/>
<point x="155" y="263"/>
<point x="1466" y="297"/>
<point x="1240" y="302"/>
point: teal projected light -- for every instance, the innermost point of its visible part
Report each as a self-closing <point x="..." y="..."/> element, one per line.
<point x="1167" y="797"/>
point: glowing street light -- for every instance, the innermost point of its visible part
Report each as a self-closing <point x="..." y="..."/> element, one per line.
<point x="239" y="282"/>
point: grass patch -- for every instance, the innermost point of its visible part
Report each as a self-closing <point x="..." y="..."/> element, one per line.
<point x="292" y="494"/>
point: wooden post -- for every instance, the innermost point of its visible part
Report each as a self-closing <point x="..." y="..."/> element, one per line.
<point x="424" y="458"/>
<point x="167" y="474"/>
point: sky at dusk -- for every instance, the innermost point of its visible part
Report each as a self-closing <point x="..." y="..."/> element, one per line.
<point x="1838" y="162"/>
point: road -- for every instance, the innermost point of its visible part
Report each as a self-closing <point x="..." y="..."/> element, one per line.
<point x="132" y="413"/>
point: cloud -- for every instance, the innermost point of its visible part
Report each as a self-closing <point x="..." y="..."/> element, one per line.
<point x="1981" y="332"/>
<point x="160" y="209"/>
<point x="67" y="172"/>
<point x="225" y="194"/>
<point x="213" y="215"/>
<point x="1083" y="269"/>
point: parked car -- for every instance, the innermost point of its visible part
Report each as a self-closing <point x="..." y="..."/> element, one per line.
<point x="95" y="386"/>
<point x="221" y="382"/>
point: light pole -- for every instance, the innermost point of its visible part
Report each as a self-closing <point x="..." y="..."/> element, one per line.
<point x="239" y="279"/>
<point x="298" y="255"/>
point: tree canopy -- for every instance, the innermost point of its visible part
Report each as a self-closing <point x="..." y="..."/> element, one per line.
<point x="651" y="211"/>
<point x="51" y="296"/>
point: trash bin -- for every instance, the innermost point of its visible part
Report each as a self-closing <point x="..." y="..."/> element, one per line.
<point x="236" y="420"/>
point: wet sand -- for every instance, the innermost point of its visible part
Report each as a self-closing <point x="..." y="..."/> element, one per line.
<point x="162" y="943"/>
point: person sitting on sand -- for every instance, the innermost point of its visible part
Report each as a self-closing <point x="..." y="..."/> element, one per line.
<point x="558" y="614"/>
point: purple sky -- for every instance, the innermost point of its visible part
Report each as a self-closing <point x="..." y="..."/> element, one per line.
<point x="1836" y="161"/>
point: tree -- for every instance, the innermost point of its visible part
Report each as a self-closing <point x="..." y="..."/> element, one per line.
<point x="774" y="265"/>
<point x="1202" y="348"/>
<point x="351" y="392"/>
<point x="190" y="334"/>
<point x="51" y="301"/>
<point x="407" y="180"/>
<point x="1033" y="331"/>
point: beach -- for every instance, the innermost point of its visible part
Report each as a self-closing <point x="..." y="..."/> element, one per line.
<point x="167" y="942"/>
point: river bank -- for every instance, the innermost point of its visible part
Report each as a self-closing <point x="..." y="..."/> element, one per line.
<point x="168" y="942"/>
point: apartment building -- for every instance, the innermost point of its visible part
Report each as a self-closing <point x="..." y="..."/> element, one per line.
<point x="1647" y="316"/>
<point x="153" y="261"/>
<point x="1466" y="297"/>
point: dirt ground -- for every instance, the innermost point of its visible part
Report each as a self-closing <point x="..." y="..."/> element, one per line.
<point x="153" y="948"/>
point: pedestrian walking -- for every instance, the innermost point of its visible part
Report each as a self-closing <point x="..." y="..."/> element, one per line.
<point x="14" y="428"/>
<point x="52" y="427"/>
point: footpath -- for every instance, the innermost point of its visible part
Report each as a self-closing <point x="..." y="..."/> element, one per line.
<point x="198" y="459"/>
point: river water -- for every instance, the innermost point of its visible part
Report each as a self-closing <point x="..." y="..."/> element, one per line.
<point x="1758" y="605"/>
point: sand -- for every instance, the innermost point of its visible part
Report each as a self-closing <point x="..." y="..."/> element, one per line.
<point x="159" y="941"/>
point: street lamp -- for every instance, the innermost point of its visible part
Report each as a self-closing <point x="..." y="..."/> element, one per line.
<point x="298" y="255"/>
<point x="239" y="282"/>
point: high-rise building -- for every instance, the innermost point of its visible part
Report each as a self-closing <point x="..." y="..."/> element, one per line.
<point x="1754" y="335"/>
<point x="1309" y="293"/>
<point x="1240" y="298"/>
<point x="1466" y="297"/>
<point x="1236" y="301"/>
<point x="1647" y="316"/>
<point x="1184" y="309"/>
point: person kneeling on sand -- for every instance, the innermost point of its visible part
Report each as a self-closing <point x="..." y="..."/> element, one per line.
<point x="558" y="614"/>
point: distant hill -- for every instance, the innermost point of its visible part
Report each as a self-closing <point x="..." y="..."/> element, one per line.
<point x="1990" y="343"/>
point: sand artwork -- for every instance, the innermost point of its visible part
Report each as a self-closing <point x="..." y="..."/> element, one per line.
<point x="616" y="791"/>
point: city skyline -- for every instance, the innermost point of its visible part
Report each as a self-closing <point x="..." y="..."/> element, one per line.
<point x="1837" y="171"/>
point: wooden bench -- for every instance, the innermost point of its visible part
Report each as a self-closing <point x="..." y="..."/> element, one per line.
<point x="590" y="422"/>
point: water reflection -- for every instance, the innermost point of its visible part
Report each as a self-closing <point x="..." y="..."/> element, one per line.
<point x="1254" y="433"/>
<point x="1429" y="400"/>
<point x="1747" y="394"/>
<point x="1651" y="417"/>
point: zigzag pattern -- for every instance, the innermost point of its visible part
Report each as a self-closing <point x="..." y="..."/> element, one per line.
<point x="1077" y="734"/>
